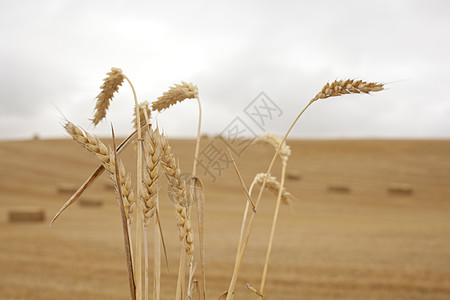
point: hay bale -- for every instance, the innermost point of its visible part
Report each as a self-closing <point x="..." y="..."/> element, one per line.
<point x="400" y="189"/>
<point x="25" y="215"/>
<point x="66" y="188"/>
<point x="339" y="189"/>
<point x="86" y="202"/>
<point x="293" y="175"/>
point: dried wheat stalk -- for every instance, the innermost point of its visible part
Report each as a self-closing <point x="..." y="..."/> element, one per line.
<point x="275" y="141"/>
<point x="178" y="185"/>
<point x="110" y="86"/>
<point x="349" y="86"/>
<point x="175" y="94"/>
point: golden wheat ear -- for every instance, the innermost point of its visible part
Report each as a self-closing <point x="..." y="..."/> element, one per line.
<point x="175" y="94"/>
<point x="349" y="86"/>
<point x="275" y="141"/>
<point x="274" y="186"/>
<point x="110" y="86"/>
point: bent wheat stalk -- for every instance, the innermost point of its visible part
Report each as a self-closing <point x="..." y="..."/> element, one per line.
<point x="176" y="94"/>
<point x="336" y="88"/>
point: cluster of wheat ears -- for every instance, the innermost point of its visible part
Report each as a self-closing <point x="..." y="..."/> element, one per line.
<point x="139" y="203"/>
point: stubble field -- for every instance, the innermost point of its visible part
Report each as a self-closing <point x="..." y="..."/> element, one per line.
<point x="372" y="221"/>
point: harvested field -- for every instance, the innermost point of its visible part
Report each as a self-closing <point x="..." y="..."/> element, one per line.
<point x="366" y="244"/>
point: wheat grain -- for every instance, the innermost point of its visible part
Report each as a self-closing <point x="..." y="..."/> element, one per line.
<point x="177" y="183"/>
<point x="349" y="86"/>
<point x="274" y="186"/>
<point x="275" y="141"/>
<point x="109" y="87"/>
<point x="175" y="94"/>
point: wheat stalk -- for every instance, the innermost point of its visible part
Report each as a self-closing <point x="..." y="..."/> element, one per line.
<point x="110" y="86"/>
<point x="125" y="223"/>
<point x="274" y="186"/>
<point x="176" y="94"/>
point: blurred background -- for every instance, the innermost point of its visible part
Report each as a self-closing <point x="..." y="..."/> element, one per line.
<point x="370" y="173"/>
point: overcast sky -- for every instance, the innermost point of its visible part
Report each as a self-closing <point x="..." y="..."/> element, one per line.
<point x="55" y="54"/>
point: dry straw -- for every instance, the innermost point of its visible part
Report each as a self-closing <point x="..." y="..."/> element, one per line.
<point x="176" y="94"/>
<point x="110" y="86"/>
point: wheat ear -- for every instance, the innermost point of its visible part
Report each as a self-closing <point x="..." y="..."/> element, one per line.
<point x="91" y="179"/>
<point x="96" y="147"/>
<point x="324" y="94"/>
<point x="110" y="86"/>
<point x="275" y="141"/>
<point x="150" y="176"/>
<point x="274" y="186"/>
<point x="178" y="184"/>
<point x="175" y="94"/>
<point x="349" y="86"/>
